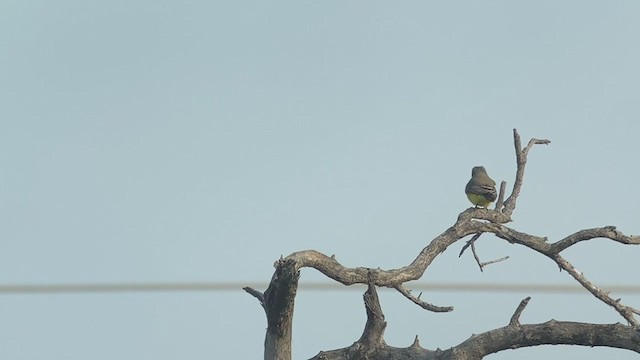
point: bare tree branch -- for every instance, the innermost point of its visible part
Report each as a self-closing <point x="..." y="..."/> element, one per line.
<point x="373" y="335"/>
<point x="521" y="161"/>
<point x="607" y="232"/>
<point x="416" y="300"/>
<point x="330" y="267"/>
<point x="552" y="251"/>
<point x="475" y="254"/>
<point x="255" y="293"/>
<point x="481" y="264"/>
<point x="469" y="243"/>
<point x="500" y="201"/>
<point x="506" y="338"/>
<point x="389" y="278"/>
<point x="494" y="261"/>
<point x="549" y="333"/>
<point x="625" y="311"/>
<point x="278" y="302"/>
<point x="515" y="318"/>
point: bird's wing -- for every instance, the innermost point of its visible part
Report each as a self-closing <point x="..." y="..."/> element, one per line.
<point x="489" y="192"/>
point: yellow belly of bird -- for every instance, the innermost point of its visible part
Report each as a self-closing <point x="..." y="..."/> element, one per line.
<point x="478" y="200"/>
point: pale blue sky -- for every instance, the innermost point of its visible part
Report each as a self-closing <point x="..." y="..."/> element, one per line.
<point x="198" y="141"/>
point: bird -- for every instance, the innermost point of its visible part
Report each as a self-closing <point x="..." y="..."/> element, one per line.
<point x="481" y="189"/>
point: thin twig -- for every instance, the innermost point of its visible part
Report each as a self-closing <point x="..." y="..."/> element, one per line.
<point x="422" y="304"/>
<point x="255" y="293"/>
<point x="475" y="255"/>
<point x="515" y="318"/>
<point x="472" y="243"/>
<point x="416" y="343"/>
<point x="469" y="243"/>
<point x="500" y="201"/>
<point x="521" y="161"/>
<point x="482" y="265"/>
<point x="532" y="142"/>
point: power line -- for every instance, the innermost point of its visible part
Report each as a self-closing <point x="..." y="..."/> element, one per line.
<point x="151" y="287"/>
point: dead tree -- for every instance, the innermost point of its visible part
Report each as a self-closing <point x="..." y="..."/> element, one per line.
<point x="278" y="300"/>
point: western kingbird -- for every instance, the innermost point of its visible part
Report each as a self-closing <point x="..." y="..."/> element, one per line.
<point x="481" y="190"/>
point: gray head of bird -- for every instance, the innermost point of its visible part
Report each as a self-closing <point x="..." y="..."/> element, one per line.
<point x="478" y="170"/>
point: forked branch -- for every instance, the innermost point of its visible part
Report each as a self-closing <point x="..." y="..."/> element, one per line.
<point x="521" y="161"/>
<point x="552" y="251"/>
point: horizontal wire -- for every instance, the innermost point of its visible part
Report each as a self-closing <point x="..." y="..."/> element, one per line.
<point x="317" y="286"/>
